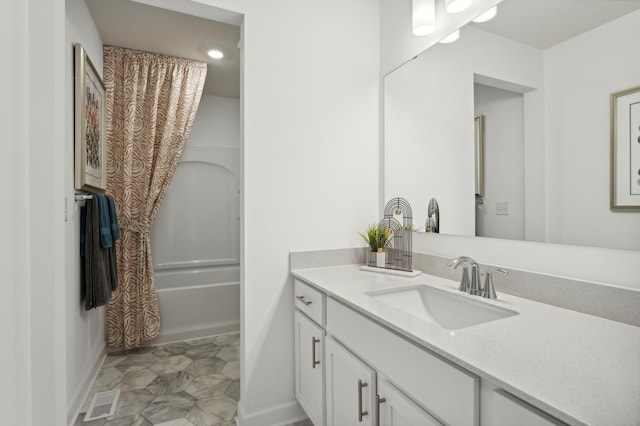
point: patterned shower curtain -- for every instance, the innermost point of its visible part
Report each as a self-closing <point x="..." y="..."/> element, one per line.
<point x="151" y="104"/>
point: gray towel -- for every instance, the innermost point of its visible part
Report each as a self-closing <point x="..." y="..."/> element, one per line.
<point x="99" y="266"/>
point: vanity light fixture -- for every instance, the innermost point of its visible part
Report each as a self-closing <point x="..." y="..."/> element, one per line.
<point x="456" y="6"/>
<point x="489" y="14"/>
<point x="451" y="37"/>
<point x="215" y="54"/>
<point x="423" y="17"/>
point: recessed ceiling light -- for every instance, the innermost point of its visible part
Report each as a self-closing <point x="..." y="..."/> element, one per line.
<point x="215" y="54"/>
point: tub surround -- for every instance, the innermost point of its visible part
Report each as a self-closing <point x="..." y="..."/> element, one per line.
<point x="579" y="368"/>
<point x="197" y="259"/>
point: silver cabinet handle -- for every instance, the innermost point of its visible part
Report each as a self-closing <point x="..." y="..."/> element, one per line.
<point x="378" y="402"/>
<point x="361" y="413"/>
<point x="301" y="298"/>
<point x="313" y="352"/>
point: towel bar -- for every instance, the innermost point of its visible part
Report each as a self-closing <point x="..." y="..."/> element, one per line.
<point x="82" y="198"/>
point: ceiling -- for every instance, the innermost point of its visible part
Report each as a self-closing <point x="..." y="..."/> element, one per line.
<point x="133" y="25"/>
<point x="545" y="23"/>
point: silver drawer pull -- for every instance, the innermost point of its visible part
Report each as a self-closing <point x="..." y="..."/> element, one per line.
<point x="378" y="402"/>
<point x="314" y="362"/>
<point x="361" y="413"/>
<point x="301" y="298"/>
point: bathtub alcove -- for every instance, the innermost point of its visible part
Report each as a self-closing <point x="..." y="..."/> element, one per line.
<point x="195" y="246"/>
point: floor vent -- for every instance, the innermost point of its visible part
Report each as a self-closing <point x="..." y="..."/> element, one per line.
<point x="103" y="405"/>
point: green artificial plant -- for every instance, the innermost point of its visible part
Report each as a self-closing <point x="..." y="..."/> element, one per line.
<point x="378" y="237"/>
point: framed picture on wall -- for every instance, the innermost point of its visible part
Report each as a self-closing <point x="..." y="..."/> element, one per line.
<point x="90" y="160"/>
<point x="625" y="149"/>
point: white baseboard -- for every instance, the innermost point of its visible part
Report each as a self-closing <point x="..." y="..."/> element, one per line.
<point x="75" y="405"/>
<point x="279" y="415"/>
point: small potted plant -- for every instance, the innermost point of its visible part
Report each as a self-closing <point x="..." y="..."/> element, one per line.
<point x="378" y="238"/>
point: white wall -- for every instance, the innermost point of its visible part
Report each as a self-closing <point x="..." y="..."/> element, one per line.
<point x="310" y="137"/>
<point x="578" y="135"/>
<point x="217" y="122"/>
<point x="33" y="164"/>
<point x="15" y="314"/>
<point x="503" y="113"/>
<point x="615" y="267"/>
<point x="85" y="329"/>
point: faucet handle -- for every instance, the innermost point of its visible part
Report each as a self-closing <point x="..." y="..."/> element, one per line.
<point x="488" y="291"/>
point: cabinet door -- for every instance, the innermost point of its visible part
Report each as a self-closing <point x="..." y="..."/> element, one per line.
<point x="396" y="409"/>
<point x="350" y="388"/>
<point x="309" y="341"/>
<point x="508" y="410"/>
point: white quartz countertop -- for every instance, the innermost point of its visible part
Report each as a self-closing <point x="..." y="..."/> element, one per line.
<point x="579" y="368"/>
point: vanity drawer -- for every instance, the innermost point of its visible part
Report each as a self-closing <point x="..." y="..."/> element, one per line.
<point x="310" y="301"/>
<point x="447" y="392"/>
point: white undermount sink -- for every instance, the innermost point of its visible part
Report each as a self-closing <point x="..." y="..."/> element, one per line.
<point x="449" y="310"/>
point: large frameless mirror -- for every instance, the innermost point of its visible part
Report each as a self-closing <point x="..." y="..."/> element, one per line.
<point x="540" y="74"/>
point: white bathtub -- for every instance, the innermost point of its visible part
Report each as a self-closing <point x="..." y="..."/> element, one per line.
<point x="198" y="302"/>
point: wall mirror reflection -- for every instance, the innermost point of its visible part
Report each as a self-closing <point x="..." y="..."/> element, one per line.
<point x="544" y="96"/>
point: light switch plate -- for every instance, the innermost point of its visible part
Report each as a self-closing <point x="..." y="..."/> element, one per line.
<point x="502" y="208"/>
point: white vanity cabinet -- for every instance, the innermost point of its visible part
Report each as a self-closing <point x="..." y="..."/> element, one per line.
<point x="447" y="394"/>
<point x="309" y="342"/>
<point x="309" y="351"/>
<point x="500" y="408"/>
<point x="396" y="409"/>
<point x="352" y="370"/>
<point x="518" y="370"/>
<point x="351" y="388"/>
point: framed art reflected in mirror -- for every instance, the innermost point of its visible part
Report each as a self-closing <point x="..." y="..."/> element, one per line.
<point x="90" y="160"/>
<point x="625" y="149"/>
<point x="479" y="151"/>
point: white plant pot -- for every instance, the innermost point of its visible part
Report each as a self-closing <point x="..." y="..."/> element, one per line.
<point x="381" y="258"/>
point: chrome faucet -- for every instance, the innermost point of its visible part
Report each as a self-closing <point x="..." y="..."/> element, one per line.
<point x="464" y="261"/>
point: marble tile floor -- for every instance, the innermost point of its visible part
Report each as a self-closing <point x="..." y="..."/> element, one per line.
<point x="188" y="383"/>
<point x="192" y="382"/>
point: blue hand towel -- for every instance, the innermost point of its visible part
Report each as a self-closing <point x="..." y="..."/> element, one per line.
<point x="115" y="231"/>
<point x="106" y="241"/>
